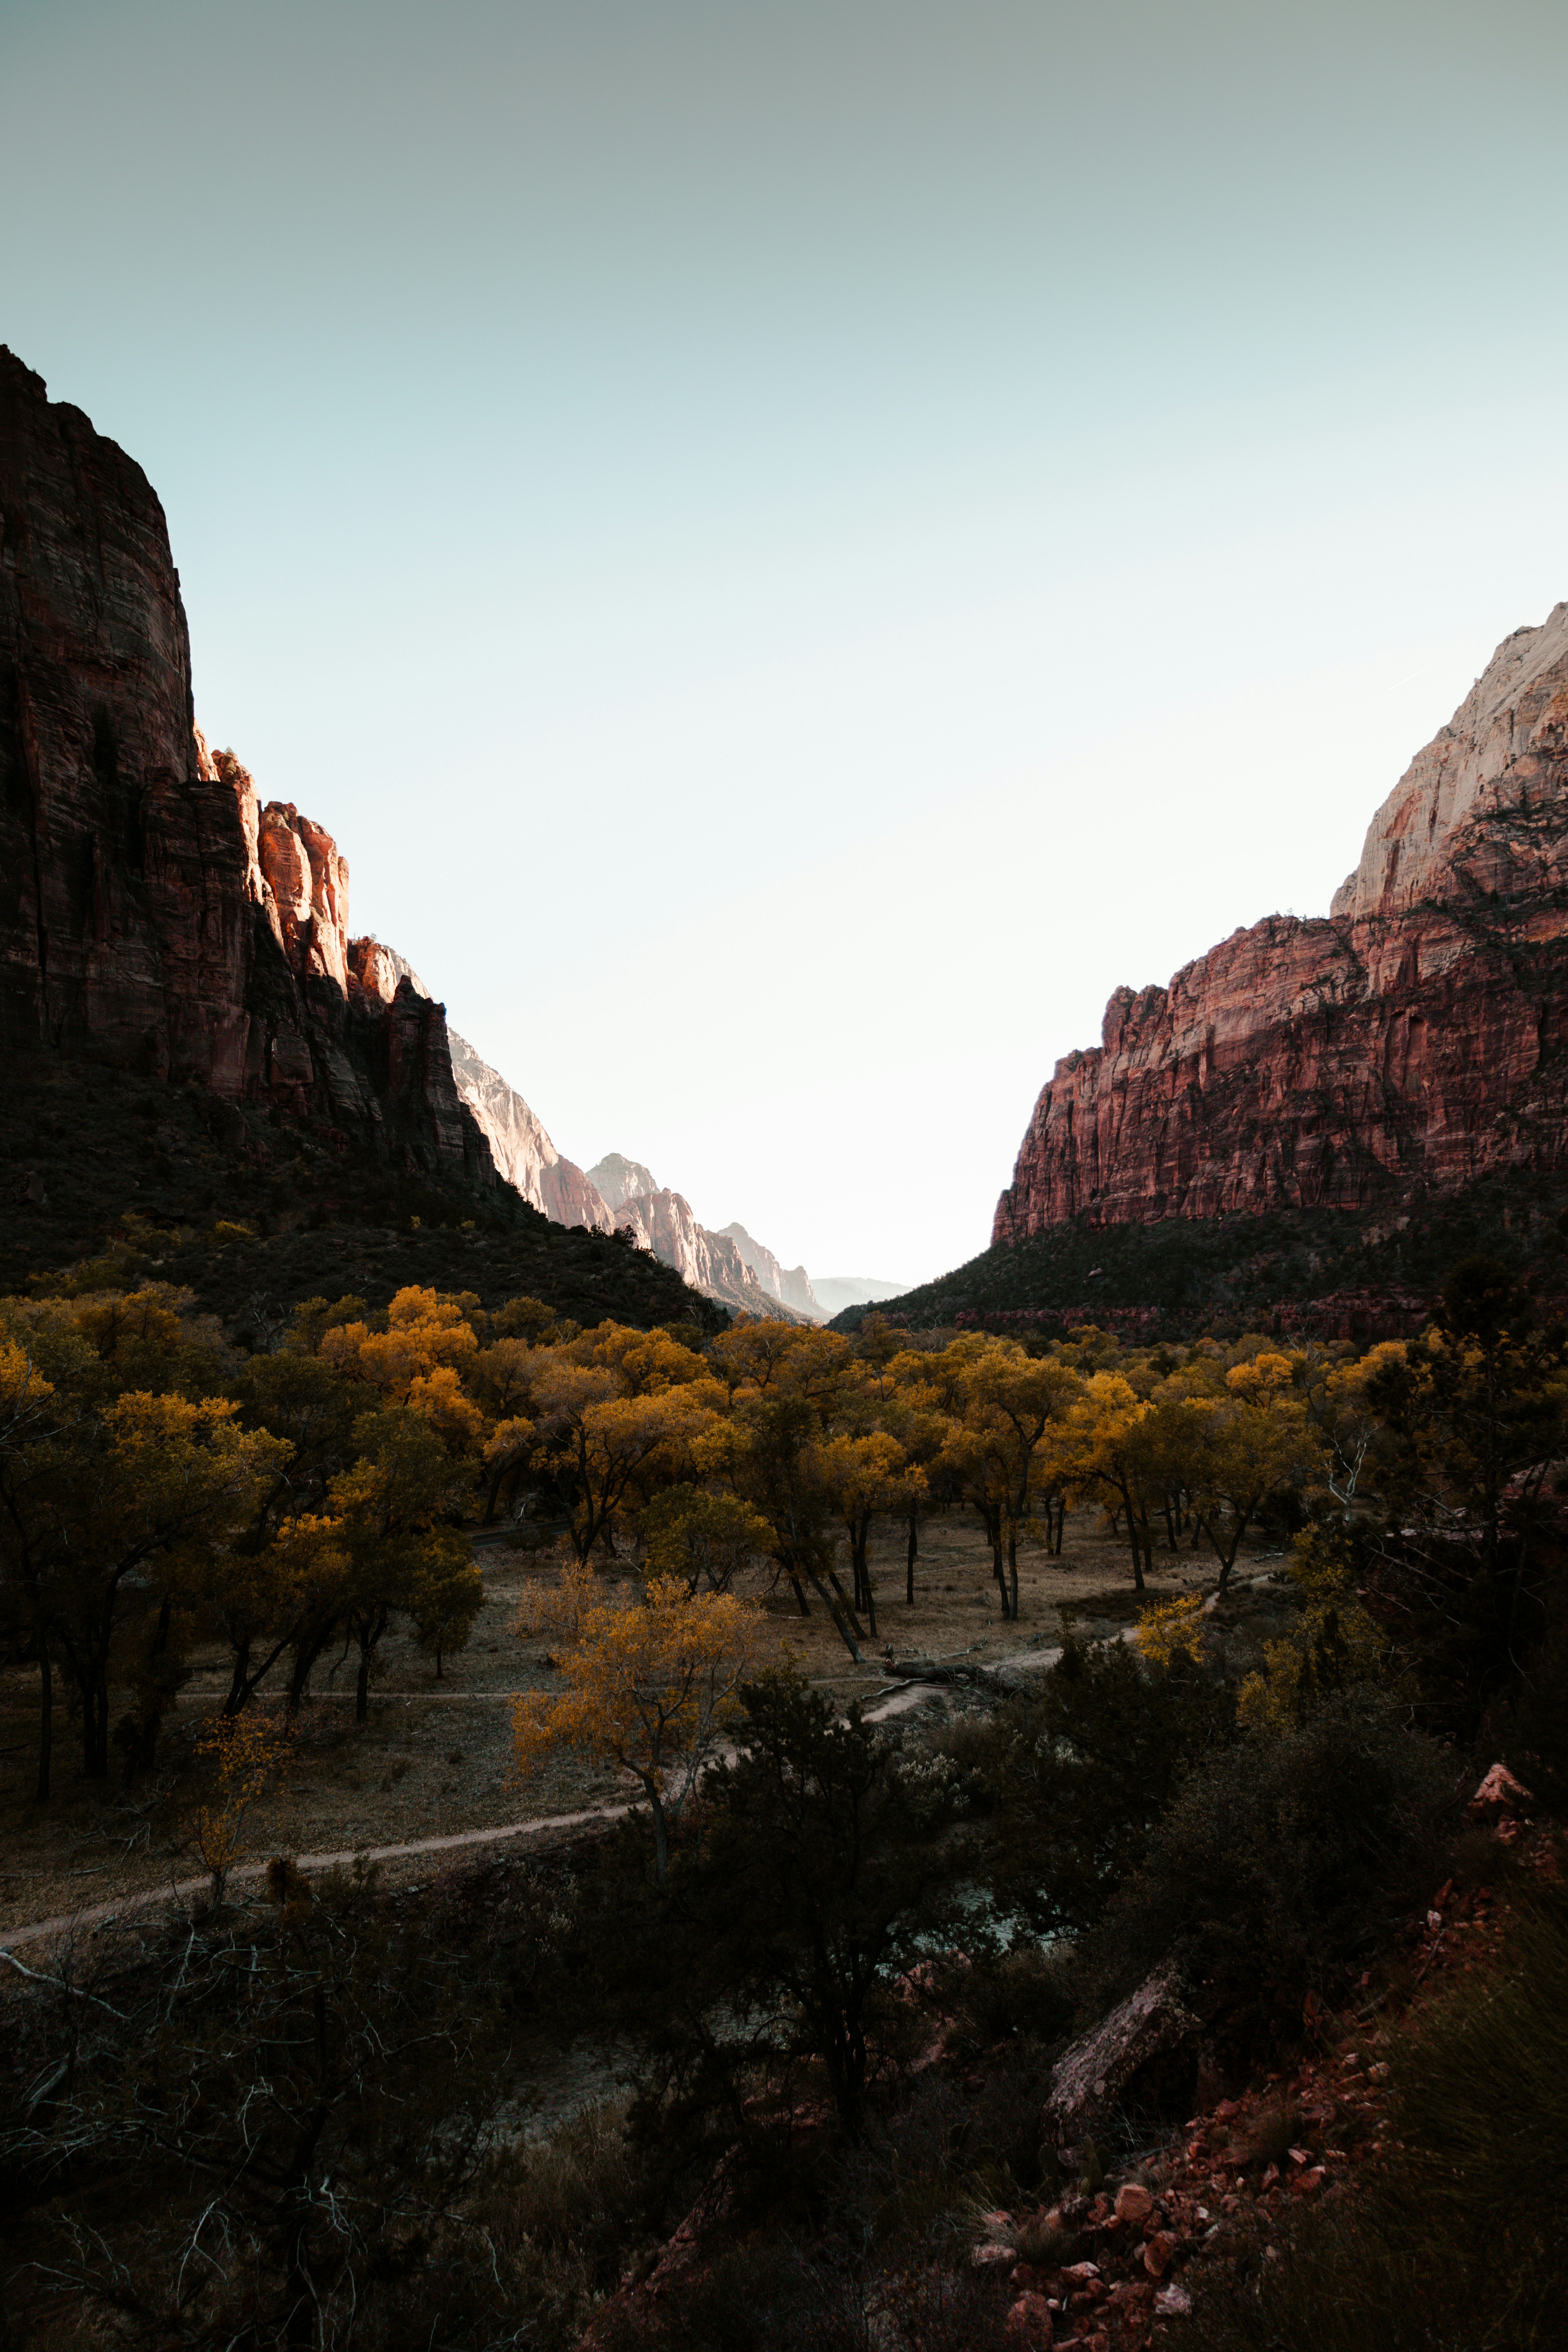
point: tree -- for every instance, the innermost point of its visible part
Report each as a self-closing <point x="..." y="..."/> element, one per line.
<point x="383" y="1512"/>
<point x="1242" y="1447"/>
<point x="651" y="1688"/>
<point x="862" y="1476"/>
<point x="775" y="1360"/>
<point x="34" y="1457"/>
<point x="1113" y="1451"/>
<point x="770" y="1449"/>
<point x="148" y="1492"/>
<point x="247" y="1752"/>
<point x="269" y="2132"/>
<point x="1009" y="1400"/>
<point x="607" y="1450"/>
<point x="705" y="1539"/>
<point x="425" y="1334"/>
<point x="820" y="1880"/>
<point x="1075" y="1778"/>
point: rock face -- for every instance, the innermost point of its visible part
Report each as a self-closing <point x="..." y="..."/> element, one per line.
<point x="790" y="1285"/>
<point x="1415" y="1036"/>
<point x="710" y="1262"/>
<point x="153" y="913"/>
<point x="618" y="1180"/>
<point x="523" y="1151"/>
<point x="728" y="1266"/>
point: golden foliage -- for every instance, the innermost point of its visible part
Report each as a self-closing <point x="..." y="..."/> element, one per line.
<point x="248" y="1749"/>
<point x="650" y="1689"/>
<point x="1173" y="1629"/>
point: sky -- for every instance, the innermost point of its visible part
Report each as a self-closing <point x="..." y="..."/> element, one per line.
<point x="795" y="547"/>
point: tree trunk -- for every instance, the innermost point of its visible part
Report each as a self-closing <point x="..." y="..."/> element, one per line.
<point x="95" y="1720"/>
<point x="863" y="1572"/>
<point x="845" y="1635"/>
<point x="237" y="1692"/>
<point x="306" y="1653"/>
<point x="660" y="1838"/>
<point x="369" y="1632"/>
<point x="1012" y="1570"/>
<point x="46" y="1711"/>
<point x="844" y="1602"/>
<point x="1137" y="1548"/>
<point x="912" y="1555"/>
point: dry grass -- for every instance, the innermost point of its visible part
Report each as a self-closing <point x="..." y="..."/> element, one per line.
<point x="434" y="1759"/>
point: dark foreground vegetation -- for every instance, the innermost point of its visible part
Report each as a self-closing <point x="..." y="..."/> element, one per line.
<point x="844" y="1980"/>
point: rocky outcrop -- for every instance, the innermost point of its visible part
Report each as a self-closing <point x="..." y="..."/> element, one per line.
<point x="789" y="1285"/>
<point x="1479" y="810"/>
<point x="728" y="1266"/>
<point x="1417" y="1036"/>
<point x="153" y="913"/>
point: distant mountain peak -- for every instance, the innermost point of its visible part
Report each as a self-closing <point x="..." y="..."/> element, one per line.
<point x="621" y="1180"/>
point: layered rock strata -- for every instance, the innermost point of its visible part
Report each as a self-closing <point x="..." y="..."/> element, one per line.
<point x="153" y="912"/>
<point x="1417" y="1036"/>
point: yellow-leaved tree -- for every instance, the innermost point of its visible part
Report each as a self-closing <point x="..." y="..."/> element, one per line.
<point x="1243" y="1446"/>
<point x="650" y="1689"/>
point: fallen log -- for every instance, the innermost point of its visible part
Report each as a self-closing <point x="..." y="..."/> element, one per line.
<point x="946" y="1673"/>
<point x="1091" y="2077"/>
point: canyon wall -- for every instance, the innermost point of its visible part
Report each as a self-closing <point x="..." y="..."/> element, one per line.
<point x="1417" y="1036"/>
<point x="789" y="1285"/>
<point x="153" y="912"/>
<point x="523" y="1151"/>
<point x="709" y="1262"/>
<point x="619" y="1180"/>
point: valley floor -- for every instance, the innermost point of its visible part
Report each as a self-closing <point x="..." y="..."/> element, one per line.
<point x="435" y="1760"/>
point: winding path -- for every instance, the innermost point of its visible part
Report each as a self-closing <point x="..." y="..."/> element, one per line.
<point x="97" y="1914"/>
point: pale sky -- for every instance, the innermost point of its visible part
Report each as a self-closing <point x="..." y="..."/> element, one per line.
<point x="797" y="547"/>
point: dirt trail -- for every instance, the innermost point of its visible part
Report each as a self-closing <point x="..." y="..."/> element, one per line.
<point x="95" y="1915"/>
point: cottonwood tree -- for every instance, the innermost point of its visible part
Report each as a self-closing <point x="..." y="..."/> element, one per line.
<point x="706" y="1538"/>
<point x="651" y="1688"/>
<point x="1240" y="1448"/>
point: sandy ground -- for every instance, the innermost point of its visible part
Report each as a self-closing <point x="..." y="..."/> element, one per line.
<point x="435" y="1760"/>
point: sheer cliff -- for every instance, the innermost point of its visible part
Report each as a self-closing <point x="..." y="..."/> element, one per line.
<point x="1412" y="1041"/>
<point x="153" y="914"/>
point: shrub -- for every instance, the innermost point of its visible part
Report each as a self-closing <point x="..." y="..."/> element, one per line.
<point x="1283" y="1859"/>
<point x="1074" y="1777"/>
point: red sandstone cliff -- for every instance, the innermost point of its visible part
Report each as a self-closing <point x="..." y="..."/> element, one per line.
<point x="1418" y="1035"/>
<point x="152" y="912"/>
